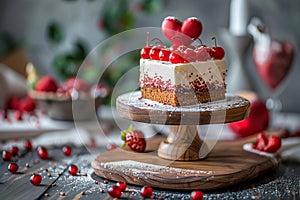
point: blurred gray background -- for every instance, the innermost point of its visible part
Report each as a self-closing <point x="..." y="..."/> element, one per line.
<point x="26" y="21"/>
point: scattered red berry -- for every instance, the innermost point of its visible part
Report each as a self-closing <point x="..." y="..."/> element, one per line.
<point x="122" y="186"/>
<point x="73" y="170"/>
<point x="42" y="153"/>
<point x="14" y="150"/>
<point x="217" y="51"/>
<point x="114" y="191"/>
<point x="46" y="84"/>
<point x="28" y="145"/>
<point x="197" y="195"/>
<point x="67" y="150"/>
<point x="134" y="139"/>
<point x="147" y="192"/>
<point x="13" y="167"/>
<point x="191" y="27"/>
<point x="36" y="179"/>
<point x="7" y="156"/>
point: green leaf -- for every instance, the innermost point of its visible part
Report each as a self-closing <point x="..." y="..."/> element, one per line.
<point x="80" y="51"/>
<point x="54" y="32"/>
<point x="151" y="6"/>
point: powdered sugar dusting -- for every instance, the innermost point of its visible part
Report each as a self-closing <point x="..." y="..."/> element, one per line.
<point x="135" y="168"/>
<point x="134" y="99"/>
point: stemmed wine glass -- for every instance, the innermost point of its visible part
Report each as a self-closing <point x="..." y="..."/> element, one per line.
<point x="273" y="60"/>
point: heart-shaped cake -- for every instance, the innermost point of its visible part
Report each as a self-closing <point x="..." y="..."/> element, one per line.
<point x="181" y="33"/>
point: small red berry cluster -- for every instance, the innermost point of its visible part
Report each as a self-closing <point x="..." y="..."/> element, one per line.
<point x="116" y="190"/>
<point x="49" y="84"/>
<point x="181" y="35"/>
<point x="267" y="144"/>
<point x="19" y="105"/>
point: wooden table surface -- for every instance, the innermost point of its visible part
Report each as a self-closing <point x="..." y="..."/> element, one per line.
<point x="57" y="183"/>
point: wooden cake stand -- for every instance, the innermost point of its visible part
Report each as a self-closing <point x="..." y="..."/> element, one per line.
<point x="182" y="160"/>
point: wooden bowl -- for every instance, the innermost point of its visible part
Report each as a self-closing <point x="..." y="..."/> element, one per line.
<point x="65" y="108"/>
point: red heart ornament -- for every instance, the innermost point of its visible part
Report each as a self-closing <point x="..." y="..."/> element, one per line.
<point x="273" y="61"/>
<point x="181" y="33"/>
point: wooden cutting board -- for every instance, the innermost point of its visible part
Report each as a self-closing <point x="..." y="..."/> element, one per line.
<point x="226" y="165"/>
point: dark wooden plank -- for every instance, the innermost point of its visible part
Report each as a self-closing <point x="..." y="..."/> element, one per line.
<point x="19" y="184"/>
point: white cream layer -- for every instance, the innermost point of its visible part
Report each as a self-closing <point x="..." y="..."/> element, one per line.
<point x="182" y="74"/>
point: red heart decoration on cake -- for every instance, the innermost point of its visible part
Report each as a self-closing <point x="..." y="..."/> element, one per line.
<point x="273" y="61"/>
<point x="181" y="33"/>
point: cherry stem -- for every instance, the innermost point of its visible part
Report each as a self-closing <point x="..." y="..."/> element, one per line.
<point x="200" y="41"/>
<point x="215" y="39"/>
<point x="158" y="41"/>
<point x="147" y="39"/>
<point x="179" y="38"/>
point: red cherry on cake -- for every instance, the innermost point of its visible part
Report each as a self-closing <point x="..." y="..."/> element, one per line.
<point x="217" y="52"/>
<point x="28" y="145"/>
<point x="122" y="186"/>
<point x="42" y="153"/>
<point x="46" y="84"/>
<point x="164" y="54"/>
<point x="7" y="156"/>
<point x="181" y="33"/>
<point x="154" y="52"/>
<point x="197" y="195"/>
<point x="203" y="53"/>
<point x="146" y="50"/>
<point x="73" y="170"/>
<point x="177" y="57"/>
<point x="14" y="150"/>
<point x="191" y="27"/>
<point x="115" y="191"/>
<point x="189" y="55"/>
<point x="13" y="167"/>
<point x="36" y="179"/>
<point x="171" y="26"/>
<point x="147" y="192"/>
<point x="67" y="150"/>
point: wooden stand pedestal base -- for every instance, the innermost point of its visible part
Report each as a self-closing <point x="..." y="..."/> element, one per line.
<point x="183" y="143"/>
